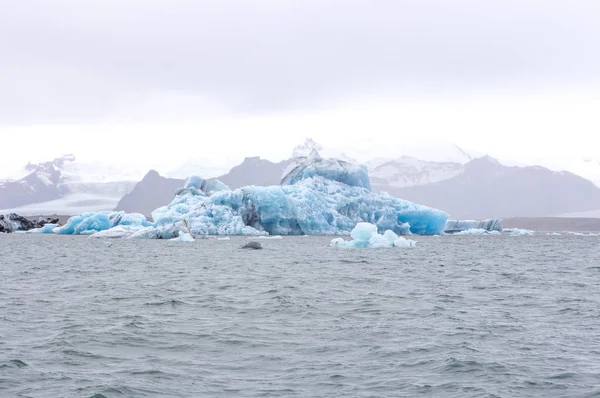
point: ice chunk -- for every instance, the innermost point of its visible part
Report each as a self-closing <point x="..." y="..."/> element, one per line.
<point x="166" y="231"/>
<point x="212" y="186"/>
<point x="363" y="231"/>
<point x="116" y="232"/>
<point x="365" y="235"/>
<point x="453" y="226"/>
<point x="183" y="237"/>
<point x="86" y="224"/>
<point x="194" y="182"/>
<point x="90" y="223"/>
<point x="476" y="231"/>
<point x="46" y="229"/>
<point x="519" y="231"/>
<point x="276" y="237"/>
<point x="225" y="238"/>
<point x="582" y="234"/>
<point x="331" y="169"/>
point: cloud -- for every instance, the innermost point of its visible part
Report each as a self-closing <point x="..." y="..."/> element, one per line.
<point x="69" y="61"/>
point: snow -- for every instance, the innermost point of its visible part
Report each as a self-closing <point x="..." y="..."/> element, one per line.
<point x="408" y="171"/>
<point x="365" y="235"/>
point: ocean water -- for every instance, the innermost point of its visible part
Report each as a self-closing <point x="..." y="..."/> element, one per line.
<point x="468" y="316"/>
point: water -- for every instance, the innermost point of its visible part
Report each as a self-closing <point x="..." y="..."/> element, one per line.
<point x="454" y="317"/>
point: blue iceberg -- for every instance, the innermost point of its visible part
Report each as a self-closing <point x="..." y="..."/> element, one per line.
<point x="90" y="223"/>
<point x="316" y="197"/>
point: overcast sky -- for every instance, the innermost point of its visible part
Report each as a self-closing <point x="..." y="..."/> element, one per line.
<point x="162" y="80"/>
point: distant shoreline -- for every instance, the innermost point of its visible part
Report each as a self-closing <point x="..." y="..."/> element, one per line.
<point x="553" y="224"/>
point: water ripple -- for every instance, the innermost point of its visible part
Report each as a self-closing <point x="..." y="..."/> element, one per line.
<point x="500" y="317"/>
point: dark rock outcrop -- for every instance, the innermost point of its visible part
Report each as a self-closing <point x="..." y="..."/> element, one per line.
<point x="253" y="245"/>
<point x="255" y="171"/>
<point x="14" y="222"/>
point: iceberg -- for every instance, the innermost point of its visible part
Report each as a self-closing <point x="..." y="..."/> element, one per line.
<point x="183" y="237"/>
<point x="454" y="226"/>
<point x="365" y="235"/>
<point x="316" y="197"/>
<point x="168" y="231"/>
<point x="91" y="223"/>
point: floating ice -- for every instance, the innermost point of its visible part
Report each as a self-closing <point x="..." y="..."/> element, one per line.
<point x="224" y="238"/>
<point x="46" y="229"/>
<point x="582" y="234"/>
<point x="183" y="237"/>
<point x="169" y="231"/>
<point x="317" y="197"/>
<point x="476" y="231"/>
<point x="519" y="231"/>
<point x="553" y="233"/>
<point x="119" y="231"/>
<point x="454" y="226"/>
<point x="90" y="223"/>
<point x="313" y="206"/>
<point x="276" y="237"/>
<point x="365" y="235"/>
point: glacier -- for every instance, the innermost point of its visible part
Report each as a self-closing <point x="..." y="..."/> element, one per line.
<point x="316" y="197"/>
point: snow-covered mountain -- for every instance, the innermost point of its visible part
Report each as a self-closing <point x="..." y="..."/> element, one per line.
<point x="414" y="164"/>
<point x="304" y="150"/>
<point x="65" y="186"/>
<point x="408" y="171"/>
